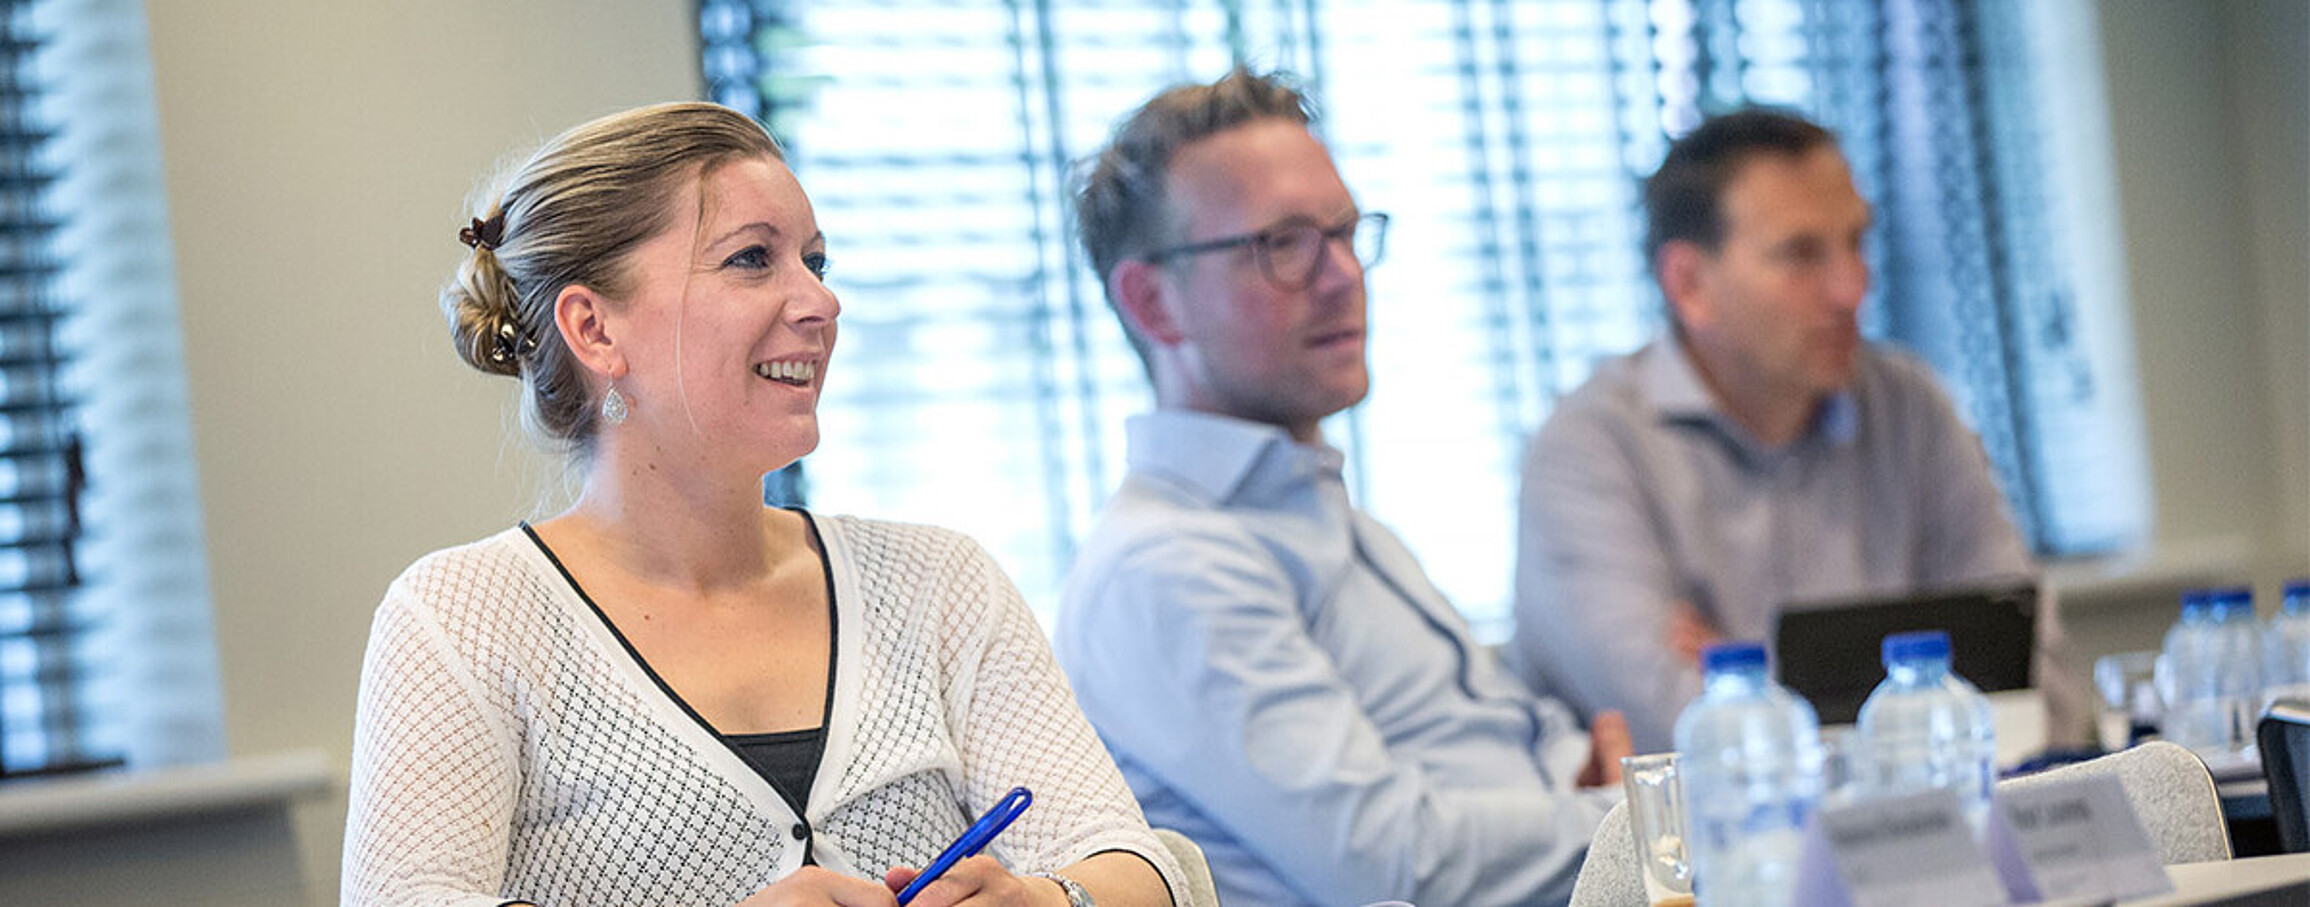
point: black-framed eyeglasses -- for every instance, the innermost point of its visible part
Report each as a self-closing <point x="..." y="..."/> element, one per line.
<point x="1291" y="254"/>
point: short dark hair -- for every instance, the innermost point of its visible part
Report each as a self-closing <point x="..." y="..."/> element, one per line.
<point x="1122" y="201"/>
<point x="1684" y="199"/>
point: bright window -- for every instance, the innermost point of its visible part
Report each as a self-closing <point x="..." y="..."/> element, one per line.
<point x="982" y="383"/>
<point x="106" y="651"/>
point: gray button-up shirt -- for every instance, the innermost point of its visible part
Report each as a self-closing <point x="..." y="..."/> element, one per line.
<point x="1277" y="678"/>
<point x="1641" y="492"/>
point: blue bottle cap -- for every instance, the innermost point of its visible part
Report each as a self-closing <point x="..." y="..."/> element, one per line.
<point x="1732" y="656"/>
<point x="2196" y="601"/>
<point x="2229" y="600"/>
<point x="1933" y="644"/>
<point x="2296" y="595"/>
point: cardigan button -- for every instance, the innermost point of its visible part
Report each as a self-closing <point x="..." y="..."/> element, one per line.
<point x="801" y="831"/>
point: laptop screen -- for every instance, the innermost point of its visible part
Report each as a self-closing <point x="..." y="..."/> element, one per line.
<point x="1830" y="651"/>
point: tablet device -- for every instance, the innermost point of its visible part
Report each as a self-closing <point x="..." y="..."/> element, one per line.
<point x="1831" y="652"/>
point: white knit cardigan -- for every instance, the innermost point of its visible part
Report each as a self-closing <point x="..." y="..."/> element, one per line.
<point x="509" y="746"/>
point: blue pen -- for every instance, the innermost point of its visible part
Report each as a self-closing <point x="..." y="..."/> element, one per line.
<point x="972" y="840"/>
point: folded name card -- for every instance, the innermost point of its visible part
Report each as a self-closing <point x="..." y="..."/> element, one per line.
<point x="1910" y="851"/>
<point x="2076" y="839"/>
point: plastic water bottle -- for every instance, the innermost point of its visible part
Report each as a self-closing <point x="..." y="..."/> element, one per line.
<point x="2189" y="679"/>
<point x="1749" y="753"/>
<point x="1924" y="728"/>
<point x="2286" y="647"/>
<point x="2238" y="651"/>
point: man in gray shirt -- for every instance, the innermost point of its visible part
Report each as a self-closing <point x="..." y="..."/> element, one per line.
<point x="1760" y="454"/>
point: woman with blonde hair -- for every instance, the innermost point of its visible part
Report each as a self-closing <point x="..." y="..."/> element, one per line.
<point x="670" y="693"/>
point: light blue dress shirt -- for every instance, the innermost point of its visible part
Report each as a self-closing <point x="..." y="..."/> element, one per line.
<point x="1641" y="492"/>
<point x="1279" y="680"/>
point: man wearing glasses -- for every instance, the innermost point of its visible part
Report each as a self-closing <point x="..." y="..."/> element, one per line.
<point x="1271" y="668"/>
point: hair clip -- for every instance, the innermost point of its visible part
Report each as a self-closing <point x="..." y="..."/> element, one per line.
<point x="484" y="234"/>
<point x="510" y="344"/>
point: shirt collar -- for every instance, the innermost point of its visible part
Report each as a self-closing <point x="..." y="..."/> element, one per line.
<point x="1673" y="385"/>
<point x="1669" y="380"/>
<point x="1215" y="457"/>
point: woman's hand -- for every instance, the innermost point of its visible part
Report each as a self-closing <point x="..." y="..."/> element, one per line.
<point x="815" y="886"/>
<point x="977" y="882"/>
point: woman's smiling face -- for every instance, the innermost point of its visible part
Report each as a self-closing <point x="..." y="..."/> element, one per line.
<point x="729" y="326"/>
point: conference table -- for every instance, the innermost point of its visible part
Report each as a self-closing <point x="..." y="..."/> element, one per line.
<point x="2279" y="879"/>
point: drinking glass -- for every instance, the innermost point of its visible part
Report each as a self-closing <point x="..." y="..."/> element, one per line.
<point x="1845" y="771"/>
<point x="2130" y="704"/>
<point x="1656" y="820"/>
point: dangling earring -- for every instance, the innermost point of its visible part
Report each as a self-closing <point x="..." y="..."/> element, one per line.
<point x="613" y="406"/>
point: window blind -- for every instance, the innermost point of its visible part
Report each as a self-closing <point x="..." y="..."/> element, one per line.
<point x="983" y="384"/>
<point x="41" y="467"/>
<point x="106" y="652"/>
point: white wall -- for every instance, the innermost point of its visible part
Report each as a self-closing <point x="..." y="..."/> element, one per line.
<point x="318" y="154"/>
<point x="2269" y="100"/>
<point x="2208" y="105"/>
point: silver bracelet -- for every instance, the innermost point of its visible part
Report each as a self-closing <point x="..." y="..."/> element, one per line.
<point x="1076" y="895"/>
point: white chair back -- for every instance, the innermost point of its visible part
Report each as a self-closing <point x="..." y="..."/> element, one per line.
<point x="1201" y="890"/>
